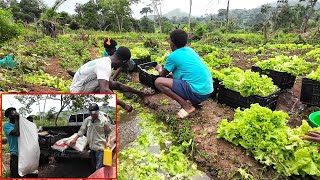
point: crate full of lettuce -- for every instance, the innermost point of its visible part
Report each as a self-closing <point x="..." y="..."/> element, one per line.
<point x="283" y="70"/>
<point x="310" y="89"/>
<point x="240" y="88"/>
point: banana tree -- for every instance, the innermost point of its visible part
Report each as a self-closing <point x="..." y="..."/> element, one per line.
<point x="49" y="18"/>
<point x="310" y="11"/>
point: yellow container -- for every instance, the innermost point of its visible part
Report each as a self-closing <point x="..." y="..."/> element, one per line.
<point x="107" y="157"/>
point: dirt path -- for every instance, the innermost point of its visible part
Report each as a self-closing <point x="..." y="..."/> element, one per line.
<point x="37" y="88"/>
<point x="54" y="69"/>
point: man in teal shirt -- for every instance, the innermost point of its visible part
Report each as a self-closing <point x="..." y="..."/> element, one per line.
<point x="11" y="130"/>
<point x="192" y="79"/>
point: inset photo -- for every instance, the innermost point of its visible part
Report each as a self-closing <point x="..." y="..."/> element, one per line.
<point x="59" y="136"/>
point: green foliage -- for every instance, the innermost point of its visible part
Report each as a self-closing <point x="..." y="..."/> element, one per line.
<point x="8" y="29"/>
<point x="138" y="162"/>
<point x="217" y="58"/>
<point x="200" y="30"/>
<point x="290" y="64"/>
<point x="151" y="43"/>
<point x="146" y="25"/>
<point x="314" y="54"/>
<point x="247" y="83"/>
<point x="315" y="75"/>
<point x="139" y="53"/>
<point x="153" y="72"/>
<point x="279" y="145"/>
<point x="45" y="79"/>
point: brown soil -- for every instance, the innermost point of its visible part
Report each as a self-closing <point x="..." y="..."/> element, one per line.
<point x="74" y="168"/>
<point x="240" y="60"/>
<point x="54" y="69"/>
<point x="37" y="88"/>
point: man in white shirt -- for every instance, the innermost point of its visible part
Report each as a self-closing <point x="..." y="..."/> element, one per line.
<point x="95" y="76"/>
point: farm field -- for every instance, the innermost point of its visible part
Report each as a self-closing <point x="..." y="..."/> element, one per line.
<point x="185" y="148"/>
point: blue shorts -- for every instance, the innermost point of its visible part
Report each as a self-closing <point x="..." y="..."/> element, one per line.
<point x="183" y="89"/>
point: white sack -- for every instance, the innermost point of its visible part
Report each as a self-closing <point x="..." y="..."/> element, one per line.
<point x="63" y="144"/>
<point x="81" y="143"/>
<point x="28" y="147"/>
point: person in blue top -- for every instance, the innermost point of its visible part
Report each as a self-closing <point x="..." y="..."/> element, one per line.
<point x="12" y="132"/>
<point x="191" y="80"/>
<point x="110" y="47"/>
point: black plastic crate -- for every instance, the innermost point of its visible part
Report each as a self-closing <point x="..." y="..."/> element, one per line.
<point x="141" y="61"/>
<point x="235" y="100"/>
<point x="146" y="78"/>
<point x="49" y="140"/>
<point x="310" y="92"/>
<point x="216" y="85"/>
<point x="282" y="79"/>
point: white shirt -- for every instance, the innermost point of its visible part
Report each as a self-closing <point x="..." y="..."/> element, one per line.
<point x="99" y="69"/>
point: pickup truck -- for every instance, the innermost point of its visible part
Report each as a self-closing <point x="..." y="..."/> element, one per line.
<point x="48" y="135"/>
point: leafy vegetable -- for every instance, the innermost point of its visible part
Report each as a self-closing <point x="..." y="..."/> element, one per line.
<point x="247" y="83"/>
<point x="216" y="59"/>
<point x="153" y="72"/>
<point x="45" y="79"/>
<point x="315" y="75"/>
<point x="139" y="53"/>
<point x="290" y="64"/>
<point x="265" y="134"/>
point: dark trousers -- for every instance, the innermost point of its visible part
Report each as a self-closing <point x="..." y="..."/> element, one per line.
<point x="96" y="159"/>
<point x="14" y="166"/>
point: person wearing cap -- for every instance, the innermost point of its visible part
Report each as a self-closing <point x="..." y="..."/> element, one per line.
<point x="110" y="47"/>
<point x="30" y="118"/>
<point x="95" y="76"/>
<point x="98" y="134"/>
<point x="12" y="132"/>
<point x="192" y="80"/>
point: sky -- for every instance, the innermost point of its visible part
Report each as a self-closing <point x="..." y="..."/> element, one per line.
<point x="200" y="7"/>
<point x="8" y="100"/>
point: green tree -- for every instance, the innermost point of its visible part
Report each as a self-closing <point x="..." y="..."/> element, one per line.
<point x="8" y="29"/>
<point x="146" y="25"/>
<point x="145" y="11"/>
<point x="70" y="102"/>
<point x="29" y="10"/>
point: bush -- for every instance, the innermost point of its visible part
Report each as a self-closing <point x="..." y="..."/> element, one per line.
<point x="8" y="29"/>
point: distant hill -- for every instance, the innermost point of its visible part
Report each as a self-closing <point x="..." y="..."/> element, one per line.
<point x="174" y="13"/>
<point x="294" y="2"/>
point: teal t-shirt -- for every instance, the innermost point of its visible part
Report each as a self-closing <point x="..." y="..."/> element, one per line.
<point x="185" y="64"/>
<point x="12" y="140"/>
<point x="105" y="53"/>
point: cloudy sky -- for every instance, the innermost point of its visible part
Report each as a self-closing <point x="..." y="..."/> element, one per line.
<point x="8" y="100"/>
<point x="200" y="7"/>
